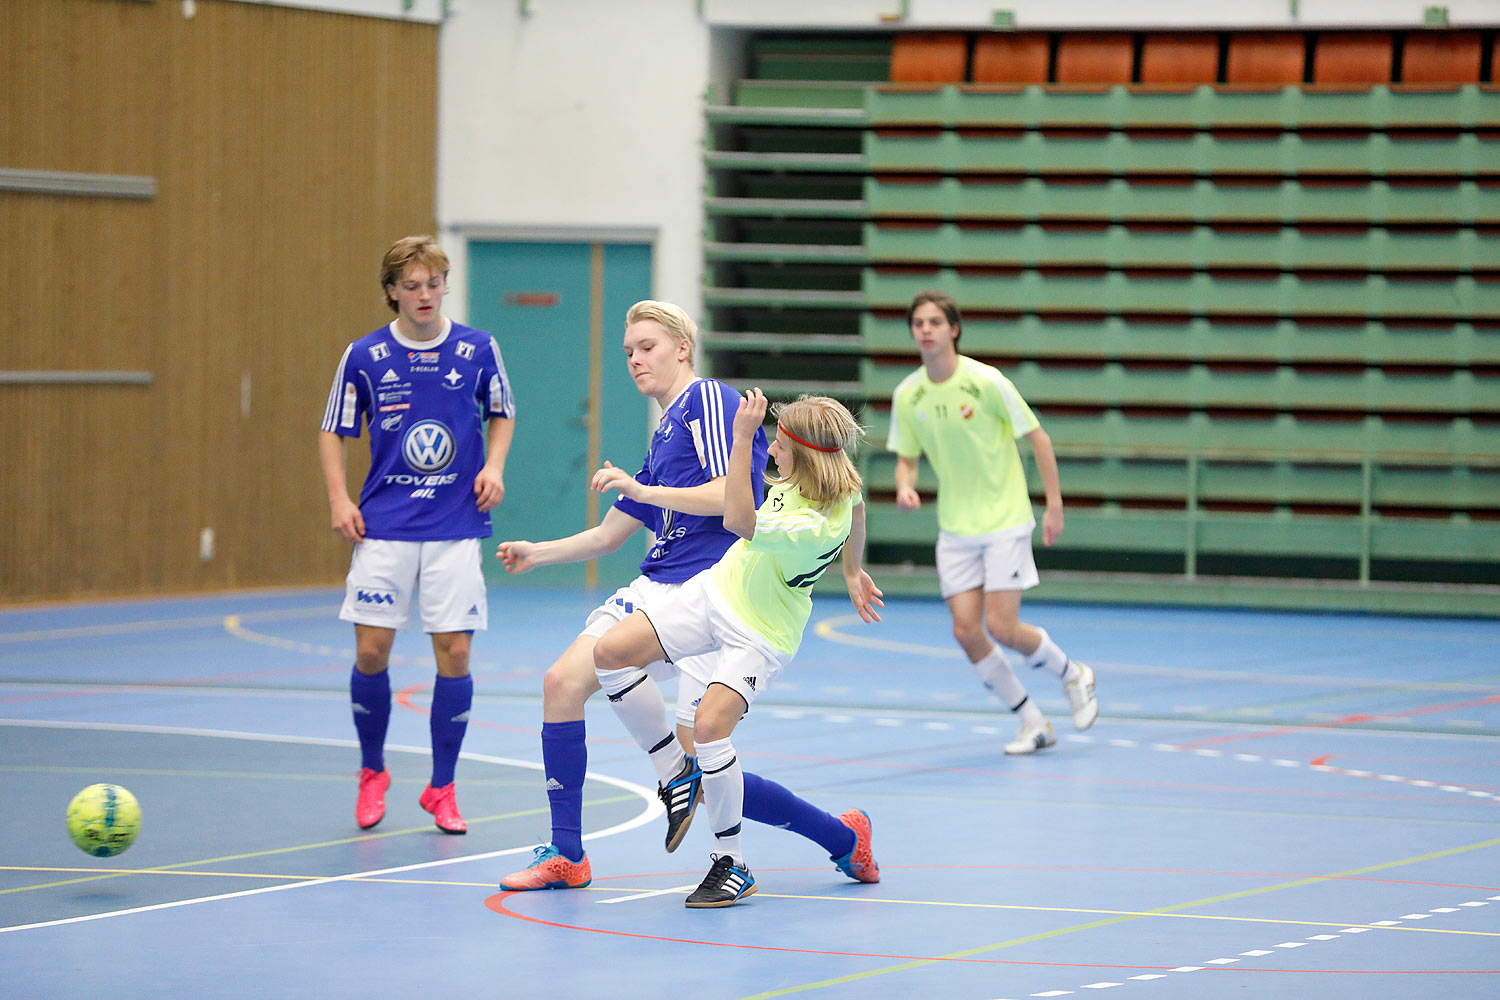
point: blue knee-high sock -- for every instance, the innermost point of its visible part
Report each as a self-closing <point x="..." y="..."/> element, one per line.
<point x="565" y="758"/>
<point x="775" y="805"/>
<point x="370" y="699"/>
<point x="451" y="699"/>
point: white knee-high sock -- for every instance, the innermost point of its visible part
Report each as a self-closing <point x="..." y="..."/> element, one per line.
<point x="1000" y="677"/>
<point x="638" y="702"/>
<point x="1047" y="654"/>
<point x="723" y="795"/>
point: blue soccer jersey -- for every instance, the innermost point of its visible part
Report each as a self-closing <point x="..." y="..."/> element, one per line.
<point x="426" y="404"/>
<point x="691" y="447"/>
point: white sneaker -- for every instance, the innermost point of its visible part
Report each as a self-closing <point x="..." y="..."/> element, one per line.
<point x="1080" y="691"/>
<point x="1032" y="738"/>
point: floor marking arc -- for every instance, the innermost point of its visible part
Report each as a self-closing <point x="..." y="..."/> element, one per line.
<point x="651" y="810"/>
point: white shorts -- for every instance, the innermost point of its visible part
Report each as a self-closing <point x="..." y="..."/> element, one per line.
<point x="1001" y="560"/>
<point x="445" y="576"/>
<point x="619" y="606"/>
<point x="707" y="643"/>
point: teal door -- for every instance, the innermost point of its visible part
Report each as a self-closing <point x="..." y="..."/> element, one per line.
<point x="558" y="312"/>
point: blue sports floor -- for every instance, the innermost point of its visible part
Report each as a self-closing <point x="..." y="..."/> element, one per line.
<point x="1271" y="805"/>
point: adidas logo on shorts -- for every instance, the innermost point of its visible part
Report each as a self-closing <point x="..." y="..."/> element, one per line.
<point x="751" y="682"/>
<point x="553" y="785"/>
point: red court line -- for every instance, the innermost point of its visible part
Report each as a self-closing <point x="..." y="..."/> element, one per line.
<point x="497" y="903"/>
<point x="1348" y="720"/>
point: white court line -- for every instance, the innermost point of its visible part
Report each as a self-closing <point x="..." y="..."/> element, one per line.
<point x="653" y="809"/>
<point x="648" y="894"/>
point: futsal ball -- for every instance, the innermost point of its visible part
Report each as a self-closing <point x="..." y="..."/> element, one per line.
<point x="103" y="820"/>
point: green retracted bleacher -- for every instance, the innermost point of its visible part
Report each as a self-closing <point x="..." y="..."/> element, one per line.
<point x="1248" y="282"/>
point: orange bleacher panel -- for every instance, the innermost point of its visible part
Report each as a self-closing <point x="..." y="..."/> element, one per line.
<point x="1440" y="57"/>
<point x="1011" y="58"/>
<point x="929" y="58"/>
<point x="1095" y="58"/>
<point x="1353" y="58"/>
<point x="1180" y="59"/>
<point x="1265" y="58"/>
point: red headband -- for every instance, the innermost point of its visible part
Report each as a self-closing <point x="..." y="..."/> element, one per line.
<point x="807" y="444"/>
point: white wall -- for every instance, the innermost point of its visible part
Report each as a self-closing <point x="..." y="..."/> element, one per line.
<point x="585" y="113"/>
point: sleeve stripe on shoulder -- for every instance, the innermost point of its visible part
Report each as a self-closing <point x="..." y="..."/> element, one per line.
<point x="507" y="401"/>
<point x="336" y="394"/>
<point x="716" y="443"/>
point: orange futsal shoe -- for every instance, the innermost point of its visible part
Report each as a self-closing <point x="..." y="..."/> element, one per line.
<point x="859" y="864"/>
<point x="369" y="808"/>
<point x="444" y="807"/>
<point x="550" y="870"/>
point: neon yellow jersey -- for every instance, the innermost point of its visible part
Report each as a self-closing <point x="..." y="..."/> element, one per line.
<point x="968" y="426"/>
<point x="768" y="579"/>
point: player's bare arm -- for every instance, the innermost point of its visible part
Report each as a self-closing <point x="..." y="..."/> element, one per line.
<point x="345" y="516"/>
<point x="739" y="493"/>
<point x="1046" y="464"/>
<point x="705" y="499"/>
<point x="591" y="543"/>
<point x="862" y="590"/>
<point x="489" y="485"/>
<point x="907" y="497"/>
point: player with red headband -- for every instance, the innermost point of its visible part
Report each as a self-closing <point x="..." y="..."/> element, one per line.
<point x="678" y="495"/>
<point x="751" y="608"/>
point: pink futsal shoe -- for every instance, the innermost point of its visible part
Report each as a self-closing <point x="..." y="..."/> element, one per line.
<point x="444" y="806"/>
<point x="859" y="864"/>
<point x="369" y="808"/>
<point x="550" y="870"/>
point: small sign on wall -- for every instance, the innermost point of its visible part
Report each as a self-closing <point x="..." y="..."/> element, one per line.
<point x="540" y="300"/>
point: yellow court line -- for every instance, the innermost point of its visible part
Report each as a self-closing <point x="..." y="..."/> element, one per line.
<point x="1164" y="911"/>
<point x="112" y="873"/>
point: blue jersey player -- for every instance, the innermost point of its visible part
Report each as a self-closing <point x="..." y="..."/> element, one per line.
<point x="438" y="406"/>
<point x="679" y="495"/>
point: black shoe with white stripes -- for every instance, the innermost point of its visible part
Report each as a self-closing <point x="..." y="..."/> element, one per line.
<point x="681" y="796"/>
<point x="724" y="885"/>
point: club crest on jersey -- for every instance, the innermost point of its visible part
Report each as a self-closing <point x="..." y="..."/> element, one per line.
<point x="966" y="411"/>
<point x="453" y="380"/>
<point x="423" y="361"/>
<point x="428" y="446"/>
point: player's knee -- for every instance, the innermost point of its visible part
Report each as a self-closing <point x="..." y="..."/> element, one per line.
<point x="566" y="686"/>
<point x="609" y="655"/>
<point x="1008" y="634"/>
<point x="716" y="718"/>
<point x="372" y="660"/>
<point x="707" y="730"/>
<point x="967" y="633"/>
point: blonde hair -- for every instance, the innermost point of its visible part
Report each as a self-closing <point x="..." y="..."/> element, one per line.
<point x="823" y="477"/>
<point x="678" y="324"/>
<point x="409" y="250"/>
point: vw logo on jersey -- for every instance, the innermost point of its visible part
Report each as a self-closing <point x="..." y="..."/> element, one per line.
<point x="428" y="446"/>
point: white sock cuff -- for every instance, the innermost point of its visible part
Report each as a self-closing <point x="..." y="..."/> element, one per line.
<point x="1048" y="655"/>
<point x="617" y="682"/>
<point x="716" y="755"/>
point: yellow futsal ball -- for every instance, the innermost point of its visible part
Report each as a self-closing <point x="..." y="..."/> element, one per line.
<point x="103" y="820"/>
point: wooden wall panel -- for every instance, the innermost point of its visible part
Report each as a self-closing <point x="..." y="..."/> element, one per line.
<point x="290" y="148"/>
